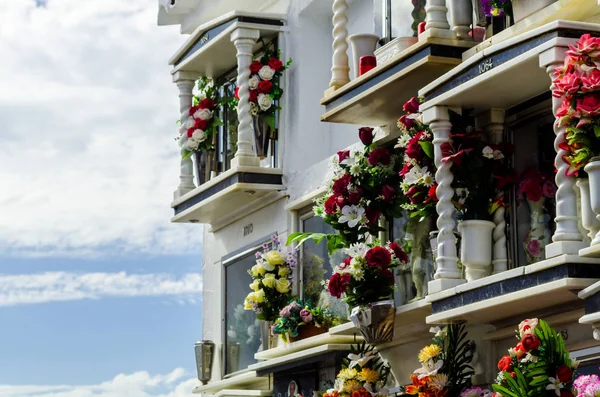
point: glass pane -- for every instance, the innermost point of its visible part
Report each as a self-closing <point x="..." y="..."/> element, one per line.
<point x="412" y="234"/>
<point x="243" y="330"/>
<point x="406" y="16"/>
<point x="317" y="266"/>
<point x="534" y="209"/>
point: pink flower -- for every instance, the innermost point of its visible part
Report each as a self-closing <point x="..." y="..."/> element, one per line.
<point x="306" y="315"/>
<point x="568" y="84"/>
<point x="591" y="82"/>
<point x="534" y="247"/>
<point x="549" y="189"/>
<point x="589" y="106"/>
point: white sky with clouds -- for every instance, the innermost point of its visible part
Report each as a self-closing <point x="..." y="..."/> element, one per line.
<point x="88" y="163"/>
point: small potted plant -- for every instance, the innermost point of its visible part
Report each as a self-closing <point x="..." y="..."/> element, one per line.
<point x="300" y="320"/>
<point x="365" y="281"/>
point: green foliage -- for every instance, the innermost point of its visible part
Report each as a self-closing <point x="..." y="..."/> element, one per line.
<point x="334" y="241"/>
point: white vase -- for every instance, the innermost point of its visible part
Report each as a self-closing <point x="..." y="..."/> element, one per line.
<point x="593" y="171"/>
<point x="476" y="248"/>
<point x="363" y="44"/>
<point x="588" y="218"/>
<point x="524" y="8"/>
<point x="539" y="234"/>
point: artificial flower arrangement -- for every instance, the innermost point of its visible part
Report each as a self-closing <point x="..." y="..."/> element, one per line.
<point x="197" y="131"/>
<point x="365" y="186"/>
<point x="363" y="374"/>
<point x="264" y="85"/>
<point x="587" y="386"/>
<point x="366" y="275"/>
<point x="445" y="364"/>
<point x="577" y="82"/>
<point x="479" y="170"/>
<point x="271" y="285"/>
<point x="418" y="169"/>
<point x="535" y="185"/>
<point x="300" y="314"/>
<point x="539" y="365"/>
<point x="497" y="8"/>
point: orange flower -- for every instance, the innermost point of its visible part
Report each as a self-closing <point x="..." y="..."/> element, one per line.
<point x="360" y="393"/>
<point x="417" y="387"/>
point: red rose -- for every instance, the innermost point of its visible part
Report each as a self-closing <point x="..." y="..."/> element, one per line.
<point x="341" y="185"/>
<point x="564" y="374"/>
<point x="388" y="193"/>
<point x="530" y="342"/>
<point x="206" y="103"/>
<point x="265" y="86"/>
<point x="379" y="156"/>
<point x="413" y="148"/>
<point x="566" y="393"/>
<point x="255" y="66"/>
<point x="237" y="93"/>
<point x="532" y="189"/>
<point x="201" y="124"/>
<point x="338" y="284"/>
<point x="387" y="273"/>
<point x="253" y="96"/>
<point x="372" y="216"/>
<point x="378" y="257"/>
<point x="346" y="262"/>
<point x="275" y="64"/>
<point x="407" y="122"/>
<point x="354" y="196"/>
<point x="193" y="110"/>
<point x="398" y="252"/>
<point x="414" y="192"/>
<point x="190" y="132"/>
<point x="589" y="106"/>
<point x="343" y="155"/>
<point x="412" y="106"/>
<point x="331" y="205"/>
<point x="505" y="364"/>
<point x="366" y="135"/>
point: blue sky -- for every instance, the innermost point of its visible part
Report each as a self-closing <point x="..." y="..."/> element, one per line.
<point x="99" y="292"/>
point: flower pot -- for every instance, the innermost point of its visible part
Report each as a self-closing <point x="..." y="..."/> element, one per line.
<point x="363" y="44"/>
<point x="307" y="331"/>
<point x="588" y="218"/>
<point x="476" y="248"/>
<point x="593" y="171"/>
<point x="539" y="234"/>
<point x="263" y="133"/>
<point x="375" y="321"/>
<point x="390" y="50"/>
<point x="524" y="8"/>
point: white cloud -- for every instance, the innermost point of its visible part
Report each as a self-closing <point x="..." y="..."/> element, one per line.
<point x="23" y="289"/>
<point x="138" y="384"/>
<point x="88" y="112"/>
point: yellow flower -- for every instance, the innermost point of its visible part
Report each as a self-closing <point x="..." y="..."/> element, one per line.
<point x="351" y="385"/>
<point x="255" y="285"/>
<point x="247" y="304"/>
<point x="274" y="258"/>
<point x="258" y="270"/>
<point x="368" y="375"/>
<point x="269" y="280"/>
<point x="347" y="374"/>
<point x="282" y="285"/>
<point x="429" y="352"/>
<point x="259" y="296"/>
<point x="283" y="271"/>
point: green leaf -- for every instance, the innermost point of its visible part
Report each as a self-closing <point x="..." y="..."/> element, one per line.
<point x="427" y="147"/>
<point x="270" y="120"/>
<point x="504" y="391"/>
<point x="186" y="154"/>
<point x="597" y="130"/>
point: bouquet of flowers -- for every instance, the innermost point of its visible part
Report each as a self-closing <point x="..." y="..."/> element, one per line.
<point x="197" y="131"/>
<point x="299" y="313"/>
<point x="445" y="364"/>
<point x="496" y="8"/>
<point x="539" y="365"/>
<point x="265" y="90"/>
<point x="366" y="275"/>
<point x="418" y="170"/>
<point x="587" y="386"/>
<point x="363" y="374"/>
<point x="479" y="170"/>
<point x="535" y="185"/>
<point x="577" y="82"/>
<point x="271" y="285"/>
<point x="365" y="186"/>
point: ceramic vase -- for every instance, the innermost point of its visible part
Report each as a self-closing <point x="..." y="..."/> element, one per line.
<point x="363" y="44"/>
<point x="588" y="219"/>
<point x="375" y="321"/>
<point x="539" y="233"/>
<point x="476" y="248"/>
<point x="593" y="171"/>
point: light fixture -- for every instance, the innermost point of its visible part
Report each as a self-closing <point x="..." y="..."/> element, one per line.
<point x="205" y="353"/>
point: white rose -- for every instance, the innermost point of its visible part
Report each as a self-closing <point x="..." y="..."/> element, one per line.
<point x="192" y="144"/>
<point x="266" y="73"/>
<point x="203" y="114"/>
<point x="189" y="123"/>
<point x="199" y="135"/>
<point x="253" y="82"/>
<point x="264" y="101"/>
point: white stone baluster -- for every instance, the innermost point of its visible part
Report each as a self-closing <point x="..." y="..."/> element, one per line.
<point x="185" y="82"/>
<point x="447" y="274"/>
<point x="494" y="120"/>
<point x="340" y="70"/>
<point x="244" y="40"/>
<point x="436" y="15"/>
<point x="567" y="238"/>
<point x="462" y="18"/>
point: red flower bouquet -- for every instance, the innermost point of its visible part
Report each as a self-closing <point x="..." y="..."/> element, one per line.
<point x="577" y="82"/>
<point x="535" y="185"/>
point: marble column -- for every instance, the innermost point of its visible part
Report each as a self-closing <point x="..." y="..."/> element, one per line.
<point x="185" y="83"/>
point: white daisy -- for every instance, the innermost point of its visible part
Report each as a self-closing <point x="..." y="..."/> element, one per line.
<point x="428" y="180"/>
<point x="402" y="141"/>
